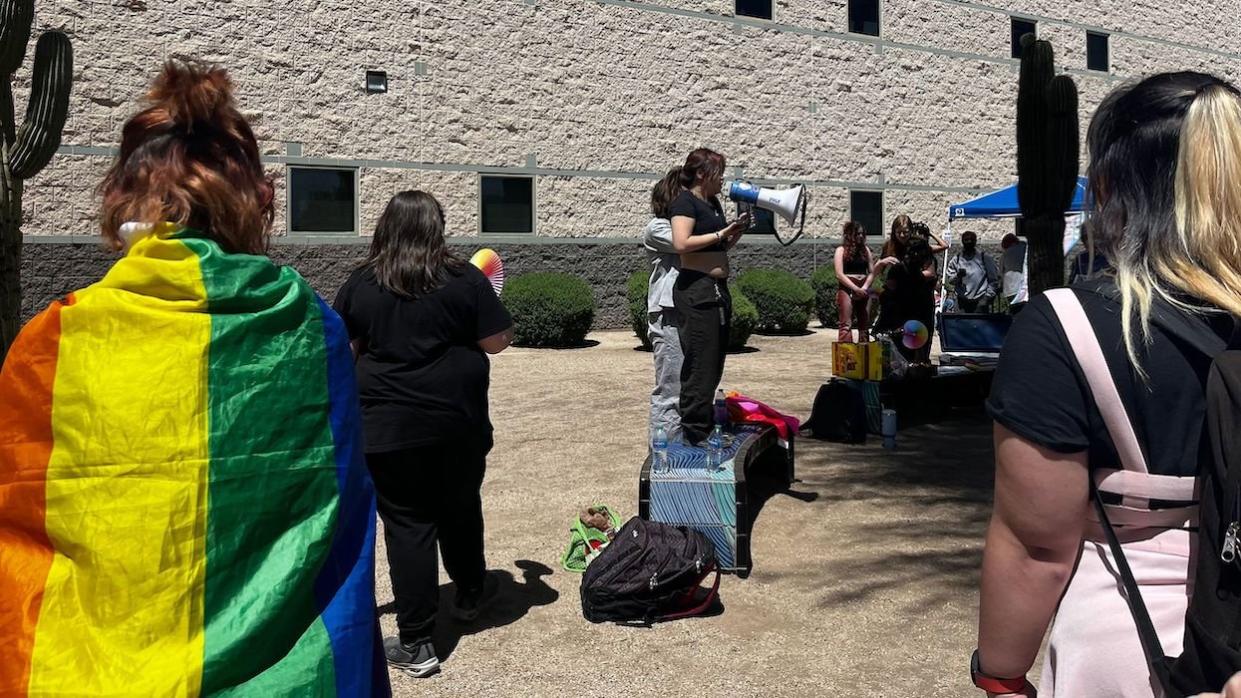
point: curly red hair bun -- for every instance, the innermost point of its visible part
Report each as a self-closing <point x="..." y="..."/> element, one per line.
<point x="190" y="158"/>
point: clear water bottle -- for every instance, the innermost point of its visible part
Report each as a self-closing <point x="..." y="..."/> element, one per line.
<point x="715" y="448"/>
<point x="889" y="429"/>
<point x="659" y="451"/>
<point x="721" y="408"/>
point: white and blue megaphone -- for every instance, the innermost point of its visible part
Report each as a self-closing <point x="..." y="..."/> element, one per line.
<point x="783" y="202"/>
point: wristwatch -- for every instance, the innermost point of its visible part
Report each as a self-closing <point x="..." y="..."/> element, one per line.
<point x="994" y="684"/>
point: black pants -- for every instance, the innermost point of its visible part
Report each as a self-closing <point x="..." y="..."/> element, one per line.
<point x="706" y="319"/>
<point x="974" y="305"/>
<point x="428" y="494"/>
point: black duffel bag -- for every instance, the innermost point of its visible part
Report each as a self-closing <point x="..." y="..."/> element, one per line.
<point x="651" y="572"/>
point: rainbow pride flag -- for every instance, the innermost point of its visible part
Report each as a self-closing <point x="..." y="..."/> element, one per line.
<point x="184" y="505"/>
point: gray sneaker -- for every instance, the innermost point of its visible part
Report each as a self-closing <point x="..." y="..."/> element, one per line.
<point x="417" y="659"/>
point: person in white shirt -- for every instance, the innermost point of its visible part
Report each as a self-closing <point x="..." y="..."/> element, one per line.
<point x="663" y="319"/>
<point x="1013" y="272"/>
<point x="973" y="276"/>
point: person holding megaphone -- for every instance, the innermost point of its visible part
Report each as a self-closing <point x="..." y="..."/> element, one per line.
<point x="702" y="236"/>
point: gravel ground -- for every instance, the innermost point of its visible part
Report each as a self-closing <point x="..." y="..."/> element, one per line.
<point x="864" y="580"/>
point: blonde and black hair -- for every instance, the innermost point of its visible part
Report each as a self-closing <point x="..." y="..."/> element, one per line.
<point x="1165" y="177"/>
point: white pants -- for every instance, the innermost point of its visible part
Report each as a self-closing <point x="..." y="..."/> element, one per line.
<point x="666" y="396"/>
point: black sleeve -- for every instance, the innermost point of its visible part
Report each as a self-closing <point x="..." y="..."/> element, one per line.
<point x="343" y="305"/>
<point x="682" y="206"/>
<point x="1038" y="392"/>
<point x="491" y="315"/>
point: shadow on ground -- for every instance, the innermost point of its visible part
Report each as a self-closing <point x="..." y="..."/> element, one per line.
<point x="584" y="344"/>
<point x="510" y="600"/>
<point x="943" y="472"/>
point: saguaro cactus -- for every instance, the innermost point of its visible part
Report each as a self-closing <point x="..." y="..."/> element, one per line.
<point x="1047" y="160"/>
<point x="25" y="149"/>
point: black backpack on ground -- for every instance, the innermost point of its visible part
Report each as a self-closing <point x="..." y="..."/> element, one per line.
<point x="650" y="573"/>
<point x="838" y="413"/>
<point x="1211" y="652"/>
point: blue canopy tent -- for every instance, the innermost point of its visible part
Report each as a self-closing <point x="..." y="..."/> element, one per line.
<point x="1002" y="203"/>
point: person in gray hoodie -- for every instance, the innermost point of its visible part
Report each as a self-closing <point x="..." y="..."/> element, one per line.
<point x="663" y="319"/>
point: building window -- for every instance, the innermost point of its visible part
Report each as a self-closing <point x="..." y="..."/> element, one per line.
<point x="507" y="204"/>
<point x="323" y="200"/>
<point x="864" y="17"/>
<point x="1097" y="57"/>
<point x="1021" y="27"/>
<point x="866" y="207"/>
<point x="376" y="82"/>
<point x="754" y="8"/>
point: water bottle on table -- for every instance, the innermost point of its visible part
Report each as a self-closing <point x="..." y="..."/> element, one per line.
<point x="721" y="408"/>
<point x="715" y="448"/>
<point x="659" y="451"/>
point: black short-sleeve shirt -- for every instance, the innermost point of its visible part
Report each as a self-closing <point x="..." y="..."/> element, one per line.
<point x="708" y="215"/>
<point x="1041" y="394"/>
<point x="422" y="377"/>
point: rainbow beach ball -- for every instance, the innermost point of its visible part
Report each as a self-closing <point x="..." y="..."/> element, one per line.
<point x="914" y="335"/>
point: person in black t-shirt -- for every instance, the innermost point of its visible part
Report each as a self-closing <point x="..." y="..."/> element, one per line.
<point x="1163" y="156"/>
<point x="422" y="323"/>
<point x="703" y="237"/>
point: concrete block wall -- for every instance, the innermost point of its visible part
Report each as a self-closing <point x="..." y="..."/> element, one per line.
<point x="595" y="99"/>
<point x="50" y="270"/>
<point x="604" y="95"/>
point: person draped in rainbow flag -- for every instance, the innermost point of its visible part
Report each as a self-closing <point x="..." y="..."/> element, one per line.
<point x="184" y="504"/>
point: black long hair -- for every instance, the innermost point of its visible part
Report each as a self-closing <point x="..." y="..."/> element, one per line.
<point x="408" y="253"/>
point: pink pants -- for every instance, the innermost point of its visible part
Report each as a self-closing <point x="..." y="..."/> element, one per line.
<point x="849" y="306"/>
<point x="1094" y="650"/>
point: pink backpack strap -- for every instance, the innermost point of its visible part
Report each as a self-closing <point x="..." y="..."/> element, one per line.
<point x="1090" y="357"/>
<point x="1134" y="483"/>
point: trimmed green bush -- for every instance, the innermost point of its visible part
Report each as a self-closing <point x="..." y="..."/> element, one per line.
<point x="549" y="309"/>
<point x="783" y="301"/>
<point x="638" y="282"/>
<point x="823" y="281"/>
<point x="745" y="319"/>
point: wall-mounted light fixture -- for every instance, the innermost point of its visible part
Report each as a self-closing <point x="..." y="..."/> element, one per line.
<point x="376" y="82"/>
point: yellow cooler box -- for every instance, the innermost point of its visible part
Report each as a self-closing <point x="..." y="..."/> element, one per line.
<point x="849" y="360"/>
<point x="878" y="358"/>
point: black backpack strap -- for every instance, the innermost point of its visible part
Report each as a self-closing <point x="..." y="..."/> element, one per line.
<point x="1155" y="657"/>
